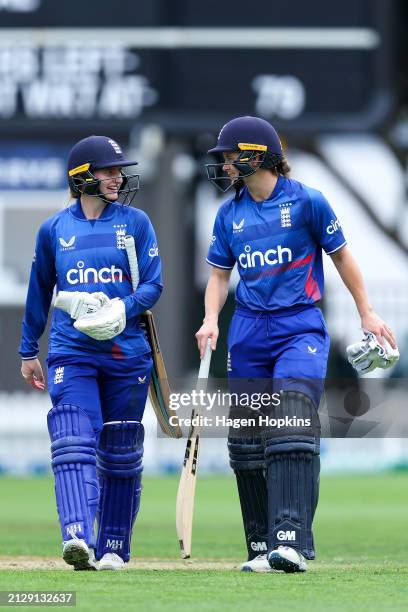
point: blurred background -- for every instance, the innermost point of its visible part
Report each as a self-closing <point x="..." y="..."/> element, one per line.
<point x="162" y="78"/>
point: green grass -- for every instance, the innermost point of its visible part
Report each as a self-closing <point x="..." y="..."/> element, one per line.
<point x="361" y="539"/>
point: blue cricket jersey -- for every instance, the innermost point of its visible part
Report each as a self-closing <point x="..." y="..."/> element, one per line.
<point x="277" y="245"/>
<point x="77" y="254"/>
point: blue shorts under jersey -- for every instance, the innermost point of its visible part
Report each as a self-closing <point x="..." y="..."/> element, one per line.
<point x="289" y="347"/>
<point x="277" y="245"/>
<point x="104" y="388"/>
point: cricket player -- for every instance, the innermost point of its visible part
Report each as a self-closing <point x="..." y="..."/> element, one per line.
<point x="274" y="229"/>
<point x="98" y="380"/>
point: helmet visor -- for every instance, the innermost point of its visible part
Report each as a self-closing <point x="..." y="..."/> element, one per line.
<point x="219" y="177"/>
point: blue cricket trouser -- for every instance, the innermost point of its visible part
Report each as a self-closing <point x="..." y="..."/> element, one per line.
<point x="106" y="389"/>
<point x="290" y="347"/>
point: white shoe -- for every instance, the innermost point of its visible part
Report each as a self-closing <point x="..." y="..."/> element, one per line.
<point x="287" y="559"/>
<point x="111" y="561"/>
<point x="77" y="553"/>
<point x="259" y="564"/>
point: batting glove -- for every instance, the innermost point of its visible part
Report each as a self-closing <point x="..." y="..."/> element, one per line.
<point x="108" y="322"/>
<point x="80" y="303"/>
<point x="367" y="355"/>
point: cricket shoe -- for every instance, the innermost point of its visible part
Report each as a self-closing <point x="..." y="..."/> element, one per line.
<point x="77" y="553"/>
<point x="259" y="564"/>
<point x="287" y="559"/>
<point x="111" y="561"/>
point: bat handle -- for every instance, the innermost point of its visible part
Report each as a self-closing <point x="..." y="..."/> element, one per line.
<point x="205" y="362"/>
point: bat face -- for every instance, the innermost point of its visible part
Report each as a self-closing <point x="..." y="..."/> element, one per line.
<point x="188" y="478"/>
<point x="186" y="495"/>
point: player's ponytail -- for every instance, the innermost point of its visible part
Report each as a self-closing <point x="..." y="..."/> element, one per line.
<point x="283" y="167"/>
<point x="277" y="163"/>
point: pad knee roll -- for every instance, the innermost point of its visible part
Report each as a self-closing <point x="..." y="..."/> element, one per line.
<point x="73" y="459"/>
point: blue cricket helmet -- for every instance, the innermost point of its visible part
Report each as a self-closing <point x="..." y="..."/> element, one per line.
<point x="95" y="153"/>
<point x="246" y="131"/>
<point x="99" y="152"/>
<point x="258" y="145"/>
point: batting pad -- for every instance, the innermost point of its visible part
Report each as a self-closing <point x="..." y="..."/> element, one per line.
<point x="247" y="460"/>
<point x="119" y="465"/>
<point x="293" y="468"/>
<point x="74" y="466"/>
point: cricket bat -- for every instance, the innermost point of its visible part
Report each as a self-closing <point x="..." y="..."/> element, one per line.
<point x="159" y="389"/>
<point x="188" y="477"/>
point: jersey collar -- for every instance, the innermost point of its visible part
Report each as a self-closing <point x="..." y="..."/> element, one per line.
<point x="78" y="213"/>
<point x="275" y="192"/>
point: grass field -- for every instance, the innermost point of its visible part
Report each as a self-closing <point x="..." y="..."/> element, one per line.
<point x="361" y="537"/>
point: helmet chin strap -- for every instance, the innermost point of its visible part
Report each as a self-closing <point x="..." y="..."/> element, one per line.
<point x="238" y="186"/>
<point x="100" y="196"/>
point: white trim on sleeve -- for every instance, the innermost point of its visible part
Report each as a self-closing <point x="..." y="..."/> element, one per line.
<point x="337" y="248"/>
<point x="218" y="266"/>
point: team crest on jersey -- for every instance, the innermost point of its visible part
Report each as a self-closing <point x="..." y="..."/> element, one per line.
<point x="285" y="217"/>
<point x="120" y="235"/>
<point x="67" y="245"/>
<point x="59" y="375"/>
<point x="238" y="227"/>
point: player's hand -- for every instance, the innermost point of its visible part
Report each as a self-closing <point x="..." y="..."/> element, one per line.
<point x="209" y="329"/>
<point x="108" y="322"/>
<point x="32" y="373"/>
<point x="373" y="323"/>
<point x="369" y="354"/>
<point x="80" y="303"/>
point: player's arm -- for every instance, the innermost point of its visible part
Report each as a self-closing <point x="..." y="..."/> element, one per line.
<point x="215" y="296"/>
<point x="351" y="276"/>
<point x="39" y="296"/>
<point x="222" y="260"/>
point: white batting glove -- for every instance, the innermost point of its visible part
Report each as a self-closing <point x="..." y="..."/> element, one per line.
<point x="367" y="355"/>
<point x="108" y="322"/>
<point x="80" y="303"/>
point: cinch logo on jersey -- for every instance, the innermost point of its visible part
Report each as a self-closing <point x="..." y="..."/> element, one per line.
<point x="288" y="536"/>
<point x="258" y="546"/>
<point x="154" y="251"/>
<point x="80" y="274"/>
<point x="333" y="227"/>
<point x="271" y="257"/>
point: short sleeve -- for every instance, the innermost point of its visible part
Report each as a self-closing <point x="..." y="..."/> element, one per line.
<point x="324" y="224"/>
<point x="219" y="253"/>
